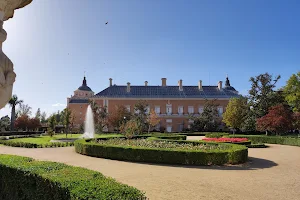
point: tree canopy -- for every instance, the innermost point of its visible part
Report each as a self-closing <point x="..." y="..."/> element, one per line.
<point x="292" y="92"/>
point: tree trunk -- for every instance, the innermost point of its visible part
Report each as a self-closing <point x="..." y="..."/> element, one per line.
<point x="266" y="132"/>
<point x="12" y="118"/>
<point x="149" y="129"/>
<point x="233" y="131"/>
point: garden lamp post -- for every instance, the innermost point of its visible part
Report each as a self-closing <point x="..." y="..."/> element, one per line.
<point x="7" y="74"/>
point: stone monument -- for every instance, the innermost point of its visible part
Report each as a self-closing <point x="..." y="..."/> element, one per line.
<point x="7" y="74"/>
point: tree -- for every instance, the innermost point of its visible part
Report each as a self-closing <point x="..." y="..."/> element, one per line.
<point x="67" y="114"/>
<point x="33" y="124"/>
<point x="208" y="120"/>
<point x="24" y="109"/>
<point x="292" y="92"/>
<point x="22" y="122"/>
<point x="236" y="112"/>
<point x="119" y="116"/>
<point x="52" y="122"/>
<point x="141" y="114"/>
<point x="262" y="95"/>
<point x="296" y="121"/>
<point x="44" y="117"/>
<point x="13" y="102"/>
<point x="38" y="114"/>
<point x="278" y="120"/>
<point x="100" y="116"/>
<point x="249" y="123"/>
<point x="152" y="120"/>
<point x="5" y="123"/>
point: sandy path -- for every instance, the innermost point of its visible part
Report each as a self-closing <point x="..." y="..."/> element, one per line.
<point x="272" y="173"/>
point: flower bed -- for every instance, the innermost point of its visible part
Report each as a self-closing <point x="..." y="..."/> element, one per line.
<point x="243" y="141"/>
<point x="164" y="151"/>
<point x="26" y="178"/>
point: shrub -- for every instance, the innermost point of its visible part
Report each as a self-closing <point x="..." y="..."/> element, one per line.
<point x="271" y="139"/>
<point x="242" y="141"/>
<point x="24" y="178"/>
<point x="34" y="145"/>
<point x="234" y="154"/>
<point x="216" y="135"/>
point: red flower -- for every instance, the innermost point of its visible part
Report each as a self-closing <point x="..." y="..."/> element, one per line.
<point x="232" y="140"/>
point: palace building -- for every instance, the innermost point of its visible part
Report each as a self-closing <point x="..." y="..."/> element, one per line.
<point x="172" y="103"/>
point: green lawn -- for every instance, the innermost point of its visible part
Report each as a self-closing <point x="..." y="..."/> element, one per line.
<point x="47" y="139"/>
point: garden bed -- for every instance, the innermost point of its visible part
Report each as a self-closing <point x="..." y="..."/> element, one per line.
<point x="164" y="151"/>
<point x="25" y="178"/>
<point x="270" y="139"/>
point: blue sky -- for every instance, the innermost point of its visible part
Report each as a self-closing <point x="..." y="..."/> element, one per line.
<point x="52" y="43"/>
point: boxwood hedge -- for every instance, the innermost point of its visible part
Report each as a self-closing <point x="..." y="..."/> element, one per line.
<point x="233" y="155"/>
<point x="35" y="145"/>
<point x="271" y="139"/>
<point x="216" y="135"/>
<point x="23" y="178"/>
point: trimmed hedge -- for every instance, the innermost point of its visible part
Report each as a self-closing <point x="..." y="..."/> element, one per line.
<point x="256" y="146"/>
<point x="216" y="135"/>
<point x="161" y="136"/>
<point x="23" y="178"/>
<point x="236" y="154"/>
<point x="34" y="145"/>
<point x="270" y="139"/>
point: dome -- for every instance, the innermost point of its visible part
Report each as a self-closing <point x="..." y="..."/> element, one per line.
<point x="84" y="86"/>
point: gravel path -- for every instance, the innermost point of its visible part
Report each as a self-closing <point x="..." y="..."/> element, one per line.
<point x="272" y="173"/>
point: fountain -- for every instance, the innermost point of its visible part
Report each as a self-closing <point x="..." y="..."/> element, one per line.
<point x="89" y="130"/>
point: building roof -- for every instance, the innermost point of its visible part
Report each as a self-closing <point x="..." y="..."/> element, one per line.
<point x="84" y="86"/>
<point x="166" y="92"/>
<point x="79" y="101"/>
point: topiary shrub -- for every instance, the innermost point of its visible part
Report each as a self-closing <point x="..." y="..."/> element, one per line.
<point x="231" y="153"/>
<point x="23" y="178"/>
<point x="34" y="145"/>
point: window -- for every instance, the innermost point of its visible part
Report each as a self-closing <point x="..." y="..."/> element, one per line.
<point x="220" y="111"/>
<point x="191" y="109"/>
<point x="157" y="109"/>
<point x="201" y="109"/>
<point x="180" y="110"/>
<point x="169" y="109"/>
<point x="169" y="120"/>
<point x="80" y="113"/>
<point x="128" y="108"/>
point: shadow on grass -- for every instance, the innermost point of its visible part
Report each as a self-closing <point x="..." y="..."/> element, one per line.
<point x="252" y="164"/>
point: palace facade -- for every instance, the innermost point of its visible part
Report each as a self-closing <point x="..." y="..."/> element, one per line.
<point x="172" y="103"/>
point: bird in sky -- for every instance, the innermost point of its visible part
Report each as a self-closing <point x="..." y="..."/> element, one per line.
<point x="106" y="23"/>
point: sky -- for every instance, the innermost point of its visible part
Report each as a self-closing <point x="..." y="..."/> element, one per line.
<point x="52" y="43"/>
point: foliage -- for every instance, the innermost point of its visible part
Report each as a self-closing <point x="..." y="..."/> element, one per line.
<point x="152" y="120"/>
<point x="33" y="124"/>
<point x="26" y="178"/>
<point x="208" y="120"/>
<point x="292" y="92"/>
<point x="216" y="135"/>
<point x="24" y="109"/>
<point x="249" y="123"/>
<point x="243" y="141"/>
<point x="278" y="120"/>
<point x="13" y="102"/>
<point x="38" y="114"/>
<point x="296" y="120"/>
<point x="234" y="155"/>
<point x="119" y="116"/>
<point x="44" y="117"/>
<point x="52" y="121"/>
<point x="271" y="139"/>
<point x="4" y="123"/>
<point x="100" y="116"/>
<point x="67" y="116"/>
<point x="141" y="115"/>
<point x="131" y="128"/>
<point x="262" y="95"/>
<point x="22" y="122"/>
<point x="236" y="113"/>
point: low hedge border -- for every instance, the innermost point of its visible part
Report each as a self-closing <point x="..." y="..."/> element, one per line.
<point x="216" y="135"/>
<point x="34" y="145"/>
<point x="270" y="139"/>
<point x="257" y="146"/>
<point x="237" y="154"/>
<point x="24" y="178"/>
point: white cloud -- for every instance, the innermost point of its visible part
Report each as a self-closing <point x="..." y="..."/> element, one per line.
<point x="59" y="105"/>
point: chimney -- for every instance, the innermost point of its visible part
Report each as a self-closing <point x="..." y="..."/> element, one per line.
<point x="128" y="87"/>
<point x="146" y="83"/>
<point x="180" y="85"/>
<point x="110" y="82"/>
<point x="163" y="81"/>
<point x="200" y="85"/>
<point x="220" y="85"/>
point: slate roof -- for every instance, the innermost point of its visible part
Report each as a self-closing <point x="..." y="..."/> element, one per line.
<point x="84" y="88"/>
<point x="166" y="92"/>
<point x="78" y="101"/>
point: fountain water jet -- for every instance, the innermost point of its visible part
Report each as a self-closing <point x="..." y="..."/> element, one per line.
<point x="89" y="130"/>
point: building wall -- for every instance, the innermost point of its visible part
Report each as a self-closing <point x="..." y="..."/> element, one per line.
<point x="176" y="121"/>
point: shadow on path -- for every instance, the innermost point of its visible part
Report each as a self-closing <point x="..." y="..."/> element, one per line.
<point x="252" y="164"/>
